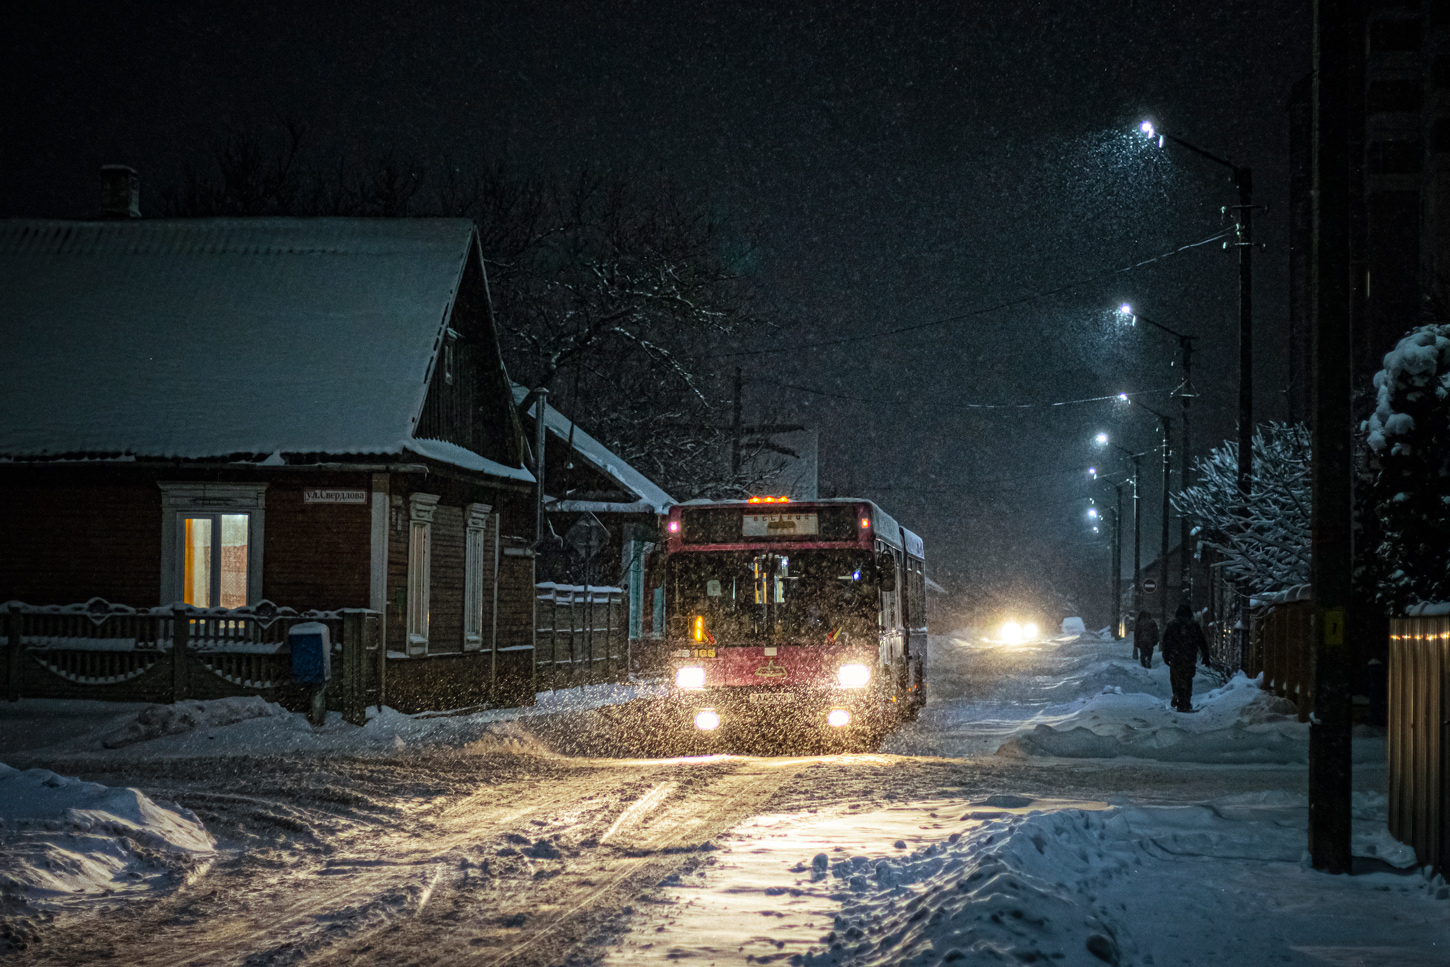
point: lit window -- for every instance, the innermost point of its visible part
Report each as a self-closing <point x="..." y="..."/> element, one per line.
<point x="214" y="560"/>
<point x="211" y="550"/>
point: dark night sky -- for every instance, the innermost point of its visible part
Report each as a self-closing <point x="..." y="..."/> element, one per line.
<point x="894" y="163"/>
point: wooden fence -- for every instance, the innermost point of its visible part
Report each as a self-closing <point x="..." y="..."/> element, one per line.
<point x="580" y="636"/>
<point x="1280" y="646"/>
<point x="112" y="652"/>
<point x="1419" y="737"/>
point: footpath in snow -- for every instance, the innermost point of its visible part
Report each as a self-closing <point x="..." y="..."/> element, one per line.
<point x="1087" y="698"/>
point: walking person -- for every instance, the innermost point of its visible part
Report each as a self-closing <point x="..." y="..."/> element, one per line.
<point x="1145" y="638"/>
<point x="1183" y="643"/>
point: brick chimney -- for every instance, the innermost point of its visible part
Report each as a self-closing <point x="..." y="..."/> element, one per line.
<point x="120" y="192"/>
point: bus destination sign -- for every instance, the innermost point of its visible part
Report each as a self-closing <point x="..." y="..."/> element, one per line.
<point x="779" y="525"/>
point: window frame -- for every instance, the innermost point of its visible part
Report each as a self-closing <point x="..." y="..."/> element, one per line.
<point x="181" y="500"/>
<point x="420" y="567"/>
<point x="477" y="554"/>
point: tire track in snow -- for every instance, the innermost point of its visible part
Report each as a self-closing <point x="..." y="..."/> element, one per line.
<point x="303" y="906"/>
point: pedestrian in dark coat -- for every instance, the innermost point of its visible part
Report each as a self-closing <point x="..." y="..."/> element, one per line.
<point x="1145" y="638"/>
<point x="1183" y="643"/>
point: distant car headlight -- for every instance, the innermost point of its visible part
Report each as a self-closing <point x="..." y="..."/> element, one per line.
<point x="853" y="676"/>
<point x="690" y="677"/>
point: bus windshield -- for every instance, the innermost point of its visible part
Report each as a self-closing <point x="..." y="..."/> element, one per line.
<point x="744" y="597"/>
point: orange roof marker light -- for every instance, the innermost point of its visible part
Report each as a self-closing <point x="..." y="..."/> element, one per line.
<point x="768" y="500"/>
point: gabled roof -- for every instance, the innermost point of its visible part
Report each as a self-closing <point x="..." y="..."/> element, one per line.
<point x="650" y="498"/>
<point x="199" y="338"/>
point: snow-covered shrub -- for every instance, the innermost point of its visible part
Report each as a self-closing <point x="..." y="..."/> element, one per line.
<point x="1265" y="542"/>
<point x="1409" y="441"/>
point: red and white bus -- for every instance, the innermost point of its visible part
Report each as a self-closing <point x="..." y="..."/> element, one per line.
<point x="809" y="613"/>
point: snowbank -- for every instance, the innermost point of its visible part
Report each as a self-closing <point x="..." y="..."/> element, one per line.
<point x="1082" y="886"/>
<point x="39" y="729"/>
<point x="64" y="841"/>
<point x="154" y="721"/>
<point x="1237" y="723"/>
<point x="1010" y="879"/>
<point x="1087" y="698"/>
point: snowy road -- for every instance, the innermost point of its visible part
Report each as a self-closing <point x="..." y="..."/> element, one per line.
<point x="526" y="844"/>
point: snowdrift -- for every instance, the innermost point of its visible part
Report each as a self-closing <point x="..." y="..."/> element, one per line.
<point x="65" y="842"/>
<point x="1082" y="886"/>
<point x="154" y="721"/>
<point x="1237" y="723"/>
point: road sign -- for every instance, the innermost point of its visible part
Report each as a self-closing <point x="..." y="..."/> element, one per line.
<point x="587" y="537"/>
<point x="1149" y="586"/>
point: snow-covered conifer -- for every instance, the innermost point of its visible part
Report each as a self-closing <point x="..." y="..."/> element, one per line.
<point x="1265" y="542"/>
<point x="1409" y="441"/>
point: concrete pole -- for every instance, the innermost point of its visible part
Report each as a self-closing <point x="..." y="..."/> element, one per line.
<point x="1338" y="35"/>
<point x="1163" y="537"/>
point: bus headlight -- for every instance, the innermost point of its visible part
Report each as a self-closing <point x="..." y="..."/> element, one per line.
<point x="690" y="677"/>
<point x="838" y="718"/>
<point x="707" y="721"/>
<point x="853" y="676"/>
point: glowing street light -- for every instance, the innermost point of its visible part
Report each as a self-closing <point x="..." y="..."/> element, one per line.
<point x="1093" y="513"/>
<point x="1093" y="472"/>
<point x="1103" y="440"/>
<point x="1243" y="212"/>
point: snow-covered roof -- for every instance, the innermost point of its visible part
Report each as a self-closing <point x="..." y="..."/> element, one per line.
<point x="602" y="459"/>
<point x="197" y="338"/>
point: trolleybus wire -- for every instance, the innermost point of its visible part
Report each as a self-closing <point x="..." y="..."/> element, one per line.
<point x="984" y="310"/>
<point x="974" y="406"/>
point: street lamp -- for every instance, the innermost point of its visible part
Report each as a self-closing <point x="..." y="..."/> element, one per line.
<point x="1167" y="422"/>
<point x="1185" y="394"/>
<point x="1102" y="440"/>
<point x="1243" y="180"/>
<point x="1117" y="551"/>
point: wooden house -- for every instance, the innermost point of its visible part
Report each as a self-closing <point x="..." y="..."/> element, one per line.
<point x="588" y="487"/>
<point x="312" y="412"/>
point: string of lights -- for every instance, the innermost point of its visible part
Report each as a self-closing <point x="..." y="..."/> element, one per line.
<point x="985" y="310"/>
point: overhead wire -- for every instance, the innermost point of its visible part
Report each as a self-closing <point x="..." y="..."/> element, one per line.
<point x="975" y="406"/>
<point x="984" y="310"/>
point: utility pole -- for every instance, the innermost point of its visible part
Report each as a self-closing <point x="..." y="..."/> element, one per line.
<point x="1118" y="562"/>
<point x="1163" y="542"/>
<point x="736" y="430"/>
<point x="1137" y="543"/>
<point x="541" y="407"/>
<point x="1185" y="394"/>
<point x="1244" y="182"/>
<point x="1338" y="30"/>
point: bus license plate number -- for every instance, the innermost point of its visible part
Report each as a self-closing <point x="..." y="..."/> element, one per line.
<point x="773" y="698"/>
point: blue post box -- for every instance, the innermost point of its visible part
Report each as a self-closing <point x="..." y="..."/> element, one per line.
<point x="311" y="646"/>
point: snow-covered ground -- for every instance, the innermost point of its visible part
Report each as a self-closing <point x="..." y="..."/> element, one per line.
<point x="65" y="843"/>
<point x="1047" y="807"/>
<point x="1086" y="697"/>
<point x="1011" y="878"/>
<point x="47" y="728"/>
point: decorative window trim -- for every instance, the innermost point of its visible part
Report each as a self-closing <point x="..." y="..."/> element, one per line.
<point x="475" y="554"/>
<point x="420" y="536"/>
<point x="179" y="499"/>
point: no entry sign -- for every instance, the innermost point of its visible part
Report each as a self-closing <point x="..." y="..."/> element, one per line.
<point x="1149" y="586"/>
